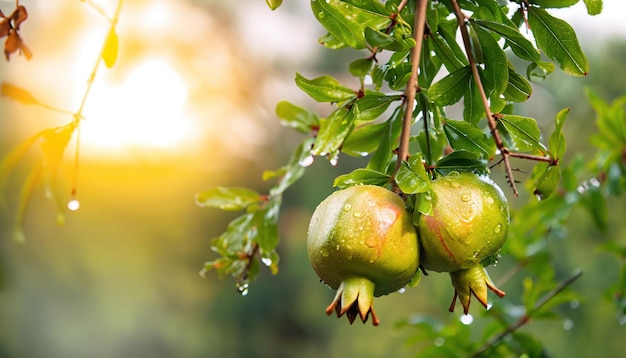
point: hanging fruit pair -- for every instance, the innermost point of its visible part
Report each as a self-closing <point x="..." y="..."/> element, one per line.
<point x="363" y="243"/>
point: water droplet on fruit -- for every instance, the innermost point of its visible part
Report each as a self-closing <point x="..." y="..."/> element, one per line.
<point x="568" y="324"/>
<point x="402" y="290"/>
<point x="337" y="247"/>
<point x="466" y="197"/>
<point x="324" y="252"/>
<point x="356" y="214"/>
<point x="267" y="261"/>
<point x="454" y="174"/>
<point x="347" y="207"/>
<point x="467" y="319"/>
<point x="497" y="229"/>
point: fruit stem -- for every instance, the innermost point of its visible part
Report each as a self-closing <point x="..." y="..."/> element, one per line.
<point x="412" y="86"/>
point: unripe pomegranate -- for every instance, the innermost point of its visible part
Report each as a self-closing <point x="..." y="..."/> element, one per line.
<point x="469" y="221"/>
<point x="362" y="243"/>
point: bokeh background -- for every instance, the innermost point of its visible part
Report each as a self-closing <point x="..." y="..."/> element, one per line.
<point x="189" y="105"/>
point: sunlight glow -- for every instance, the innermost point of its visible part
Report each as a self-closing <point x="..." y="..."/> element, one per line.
<point x="146" y="109"/>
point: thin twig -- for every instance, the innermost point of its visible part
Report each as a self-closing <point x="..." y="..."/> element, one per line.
<point x="412" y="86"/>
<point x="490" y="118"/>
<point x="526" y="317"/>
<point x="78" y="116"/>
<point x="536" y="158"/>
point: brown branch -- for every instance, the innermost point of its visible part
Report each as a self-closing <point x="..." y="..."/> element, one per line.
<point x="412" y="86"/>
<point x="526" y="317"/>
<point x="490" y="117"/>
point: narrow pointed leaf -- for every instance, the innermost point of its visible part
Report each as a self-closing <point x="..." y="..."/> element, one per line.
<point x="361" y="176"/>
<point x="233" y="198"/>
<point x="347" y="22"/>
<point x="465" y="136"/>
<point x="556" y="143"/>
<point x="553" y="3"/>
<point x="496" y="74"/>
<point x="451" y="88"/>
<point x="558" y="41"/>
<point x="521" y="46"/>
<point x="333" y="132"/>
<point x="19" y="94"/>
<point x="518" y="88"/>
<point x="111" y="49"/>
<point x="296" y="117"/>
<point x="324" y="89"/>
<point x="524" y="133"/>
<point x="594" y="7"/>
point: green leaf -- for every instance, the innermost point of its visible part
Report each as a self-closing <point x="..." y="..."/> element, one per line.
<point x="361" y="67"/>
<point x="556" y="143"/>
<point x="524" y="133"/>
<point x="544" y="180"/>
<point x="461" y="160"/>
<point x="383" y="41"/>
<point x="372" y="106"/>
<point x="111" y="48"/>
<point x="333" y="131"/>
<point x="364" y="139"/>
<point x="594" y="7"/>
<point x="411" y="176"/>
<point x="361" y="176"/>
<point x="274" y="4"/>
<point x="465" y="136"/>
<point x="266" y="225"/>
<point x="451" y="88"/>
<point x="347" y="22"/>
<point x="518" y="89"/>
<point x="387" y="142"/>
<point x="324" y="89"/>
<point x="296" y="117"/>
<point x="558" y="41"/>
<point x="429" y="65"/>
<point x="397" y="76"/>
<point x="496" y="72"/>
<point x="521" y="46"/>
<point x="445" y="53"/>
<point x="473" y="107"/>
<point x="553" y="3"/>
<point x="232" y="198"/>
<point x="18" y="94"/>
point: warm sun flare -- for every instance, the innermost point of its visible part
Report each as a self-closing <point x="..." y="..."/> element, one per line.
<point x="147" y="108"/>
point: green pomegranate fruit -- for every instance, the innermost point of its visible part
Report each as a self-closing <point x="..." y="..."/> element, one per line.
<point x="362" y="243"/>
<point x="468" y="222"/>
